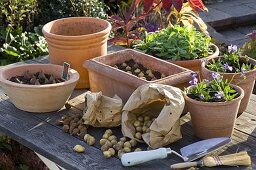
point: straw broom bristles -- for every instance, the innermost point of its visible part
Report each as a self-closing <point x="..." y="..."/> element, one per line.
<point x="241" y="158"/>
<point x="236" y="159"/>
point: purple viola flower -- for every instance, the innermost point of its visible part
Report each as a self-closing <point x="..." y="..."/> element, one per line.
<point x="219" y="95"/>
<point x="227" y="67"/>
<point x="193" y="74"/>
<point x="215" y="75"/>
<point x="206" y="61"/>
<point x="243" y="70"/>
<point x="194" y="81"/>
<point x="232" y="48"/>
<point x="207" y="82"/>
<point x="201" y="96"/>
<point x="151" y="27"/>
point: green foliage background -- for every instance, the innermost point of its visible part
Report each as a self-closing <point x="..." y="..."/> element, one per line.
<point x="21" y="21"/>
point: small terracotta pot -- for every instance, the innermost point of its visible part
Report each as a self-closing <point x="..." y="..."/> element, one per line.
<point x="247" y="84"/>
<point x="75" y="40"/>
<point x="214" y="119"/>
<point x="195" y="65"/>
<point x="38" y="98"/>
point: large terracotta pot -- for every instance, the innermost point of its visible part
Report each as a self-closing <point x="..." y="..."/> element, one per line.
<point x="214" y="119"/>
<point x="247" y="84"/>
<point x="195" y="65"/>
<point x="110" y="81"/>
<point x="75" y="40"/>
<point x="38" y="98"/>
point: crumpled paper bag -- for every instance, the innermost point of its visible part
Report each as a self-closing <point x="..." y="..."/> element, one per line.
<point x="102" y="111"/>
<point x="163" y="102"/>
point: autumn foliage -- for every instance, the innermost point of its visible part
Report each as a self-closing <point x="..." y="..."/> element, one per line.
<point x="126" y="20"/>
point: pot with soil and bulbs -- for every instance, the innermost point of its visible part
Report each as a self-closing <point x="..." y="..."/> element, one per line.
<point x="75" y="40"/>
<point x="124" y="71"/>
<point x="38" y="87"/>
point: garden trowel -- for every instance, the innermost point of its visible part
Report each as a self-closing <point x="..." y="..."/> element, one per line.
<point x="188" y="153"/>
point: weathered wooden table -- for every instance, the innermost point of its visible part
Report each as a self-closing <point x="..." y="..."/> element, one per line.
<point x="38" y="132"/>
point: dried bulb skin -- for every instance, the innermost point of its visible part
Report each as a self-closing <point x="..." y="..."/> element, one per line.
<point x="137" y="150"/>
<point x="127" y="149"/>
<point x="102" y="141"/>
<point x="79" y="149"/>
<point x="112" y="151"/>
<point x="138" y="135"/>
<point x="127" y="144"/>
<point x="107" y="154"/>
<point x="109" y="132"/>
<point x="110" y="138"/>
<point x="91" y="141"/>
<point x="86" y="136"/>
<point x="105" y="136"/>
<point x="123" y="139"/>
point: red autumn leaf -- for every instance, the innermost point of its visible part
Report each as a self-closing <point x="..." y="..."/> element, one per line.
<point x="194" y="4"/>
<point x="134" y="21"/>
<point x="167" y="4"/>
<point x="177" y="4"/>
<point x="147" y="5"/>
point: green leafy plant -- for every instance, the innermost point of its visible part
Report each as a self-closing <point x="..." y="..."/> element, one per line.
<point x="22" y="46"/>
<point x="249" y="48"/>
<point x="216" y="90"/>
<point x="231" y="62"/>
<point x="90" y="8"/>
<point x="176" y="43"/>
<point x="19" y="14"/>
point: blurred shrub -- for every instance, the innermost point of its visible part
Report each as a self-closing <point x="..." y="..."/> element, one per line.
<point x="51" y="10"/>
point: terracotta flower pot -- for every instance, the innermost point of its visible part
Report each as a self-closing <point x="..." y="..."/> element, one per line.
<point x="214" y="119"/>
<point x="247" y="84"/>
<point x="38" y="98"/>
<point x="195" y="65"/>
<point x="111" y="81"/>
<point x="75" y="40"/>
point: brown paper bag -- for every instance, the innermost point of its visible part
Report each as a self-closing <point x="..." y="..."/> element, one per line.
<point x="163" y="102"/>
<point x="102" y="111"/>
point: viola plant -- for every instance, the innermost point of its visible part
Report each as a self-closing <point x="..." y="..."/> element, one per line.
<point x="216" y="90"/>
<point x="231" y="62"/>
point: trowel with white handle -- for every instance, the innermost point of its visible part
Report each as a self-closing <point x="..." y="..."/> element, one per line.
<point x="188" y="153"/>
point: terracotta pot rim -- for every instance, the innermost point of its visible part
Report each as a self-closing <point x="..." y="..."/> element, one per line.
<point x="231" y="74"/>
<point x="238" y="89"/>
<point x="215" y="54"/>
<point x="105" y="31"/>
<point x="74" y="77"/>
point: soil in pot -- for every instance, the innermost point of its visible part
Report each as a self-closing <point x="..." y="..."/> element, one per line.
<point x="137" y="69"/>
<point x="38" y="78"/>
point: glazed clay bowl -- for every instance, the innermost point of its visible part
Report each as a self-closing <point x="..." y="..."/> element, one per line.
<point x="38" y="98"/>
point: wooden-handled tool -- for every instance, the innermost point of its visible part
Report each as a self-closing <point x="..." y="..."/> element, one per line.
<point x="241" y="158"/>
